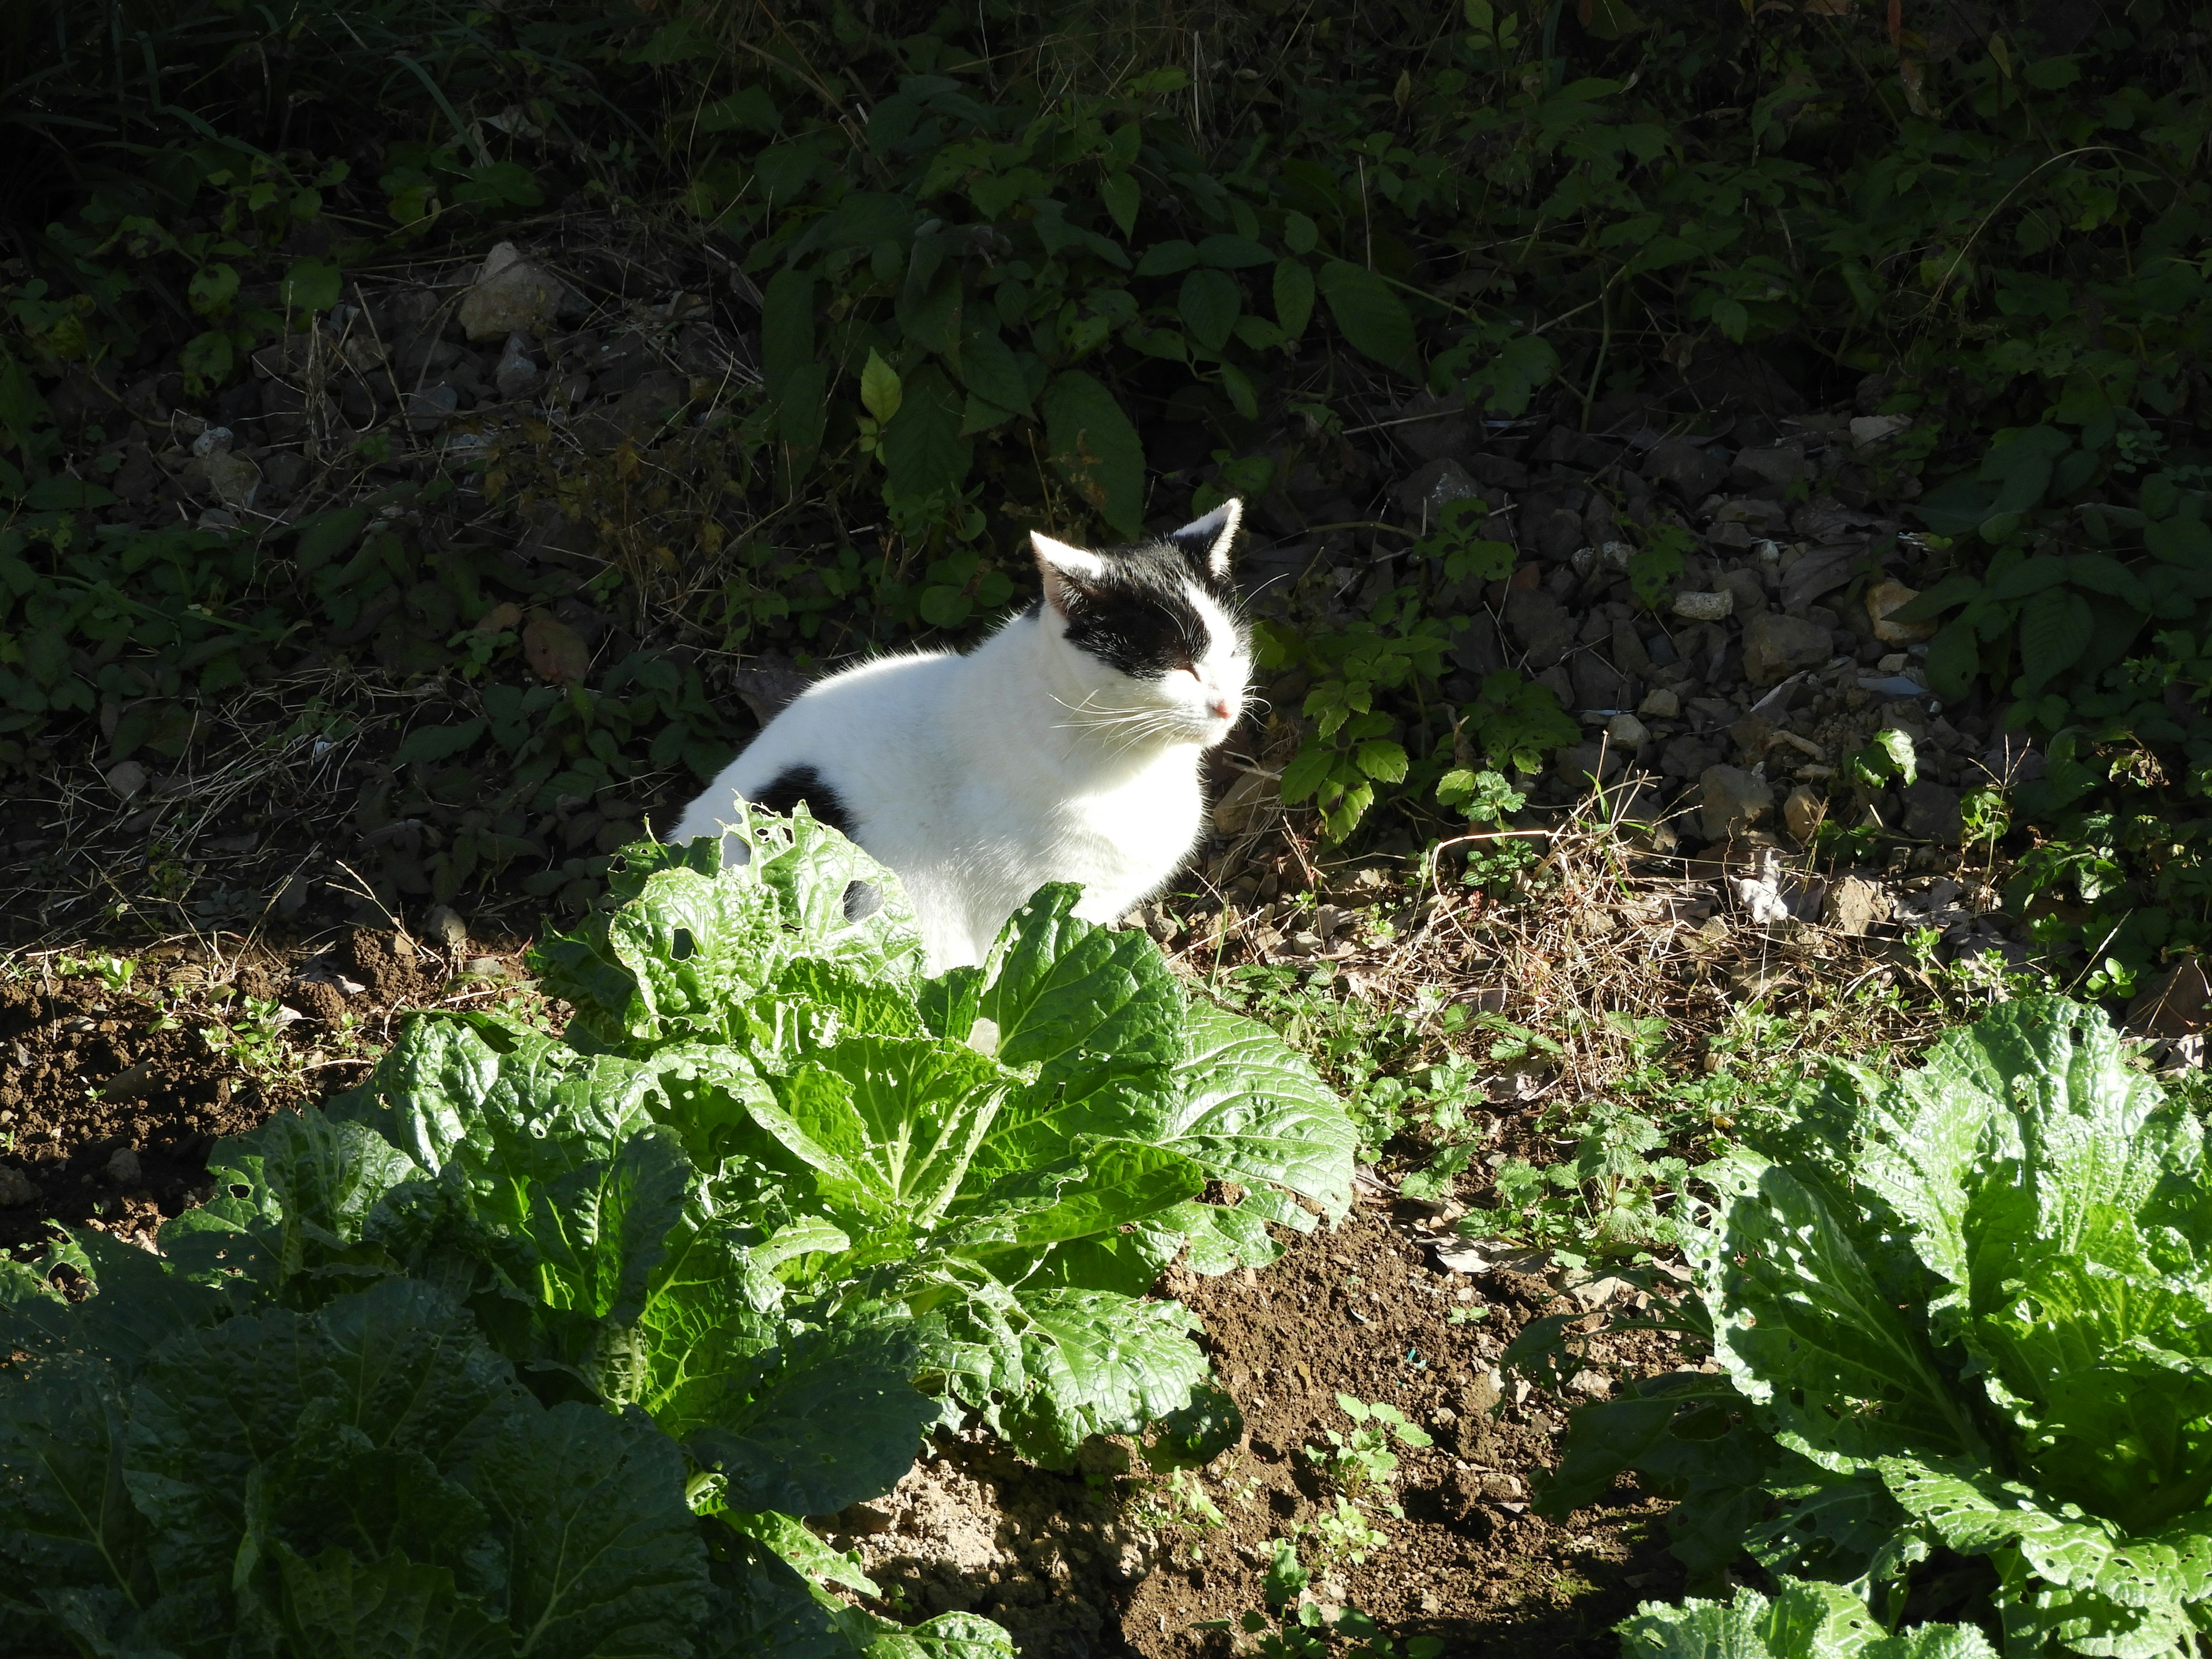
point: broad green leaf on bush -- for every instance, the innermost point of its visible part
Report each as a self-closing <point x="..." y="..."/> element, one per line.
<point x="1123" y="1182"/>
<point x="332" y="1173"/>
<point x="310" y="285"/>
<point x="399" y="1365"/>
<point x="1294" y="297"/>
<point x="1101" y="1364"/>
<point x="887" y="1125"/>
<point x="1094" y="446"/>
<point x="1095" y="1009"/>
<point x="602" y="1555"/>
<point x="599" y="1232"/>
<point x="924" y="454"/>
<point x="1251" y="1110"/>
<point x="827" y="1419"/>
<point x="70" y="1519"/>
<point x="2055" y="629"/>
<point x="948" y="1635"/>
<point x="837" y="904"/>
<point x="1209" y="304"/>
<point x="339" y="1605"/>
<point x="1120" y="194"/>
<point x="1369" y="314"/>
<point x="989" y="368"/>
<point x="1809" y="1327"/>
<point x="1803" y="1621"/>
<point x="504" y="1116"/>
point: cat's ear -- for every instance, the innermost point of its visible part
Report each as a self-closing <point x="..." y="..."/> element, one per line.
<point x="1067" y="571"/>
<point x="1207" y="542"/>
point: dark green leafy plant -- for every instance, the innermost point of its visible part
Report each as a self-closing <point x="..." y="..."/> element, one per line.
<point x="676" y="1278"/>
<point x="1975" y="1323"/>
<point x="1802" y="1621"/>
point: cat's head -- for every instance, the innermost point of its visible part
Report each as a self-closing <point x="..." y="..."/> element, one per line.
<point x="1151" y="637"/>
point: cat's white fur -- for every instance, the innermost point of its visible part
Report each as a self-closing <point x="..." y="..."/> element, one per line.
<point x="979" y="778"/>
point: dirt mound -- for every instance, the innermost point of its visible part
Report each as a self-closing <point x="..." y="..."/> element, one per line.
<point x="972" y="1528"/>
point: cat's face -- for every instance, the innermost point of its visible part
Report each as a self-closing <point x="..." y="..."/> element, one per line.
<point x="1152" y="633"/>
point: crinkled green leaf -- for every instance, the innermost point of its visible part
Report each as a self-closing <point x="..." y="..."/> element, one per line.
<point x="68" y="1521"/>
<point x="599" y="1553"/>
<point x="392" y="1609"/>
<point x="1808" y="1327"/>
<point x="1100" y="1363"/>
<point x="825" y="1419"/>
<point x="887" y="1125"/>
<point x="1802" y="1621"/>
<point x="1252" y="1110"/>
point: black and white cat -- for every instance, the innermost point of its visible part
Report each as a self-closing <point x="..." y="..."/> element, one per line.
<point x="1064" y="748"/>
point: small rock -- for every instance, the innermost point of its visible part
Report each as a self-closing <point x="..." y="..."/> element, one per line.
<point x="1931" y="812"/>
<point x="431" y="408"/>
<point x="1598" y="683"/>
<point x="1867" y="430"/>
<point x="127" y="779"/>
<point x="1750" y="593"/>
<point x="212" y="441"/>
<point x="1704" y="607"/>
<point x="1750" y="981"/>
<point x="1893" y="685"/>
<point x="447" y="928"/>
<point x="234" y="478"/>
<point x="1882" y="600"/>
<point x="1587" y="761"/>
<point x="1540" y="626"/>
<point x="1431" y="487"/>
<point x="485" y="967"/>
<point x="1774" y="469"/>
<point x="1802" y="812"/>
<point x="510" y="296"/>
<point x="1817" y="573"/>
<point x="1854" y="905"/>
<point x="1592" y="1385"/>
<point x="123" y="1168"/>
<point x="16" y="1188"/>
<point x="1730" y="800"/>
<point x="1776" y="646"/>
<point x="1627" y="732"/>
<point x="1685" y="465"/>
<point x="1661" y="704"/>
<point x="516" y="375"/>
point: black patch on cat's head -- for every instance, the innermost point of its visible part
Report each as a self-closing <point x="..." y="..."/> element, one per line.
<point x="1137" y="618"/>
<point x="1133" y="611"/>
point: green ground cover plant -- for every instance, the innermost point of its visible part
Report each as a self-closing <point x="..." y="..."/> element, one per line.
<point x="1959" y="1318"/>
<point x="539" y="1345"/>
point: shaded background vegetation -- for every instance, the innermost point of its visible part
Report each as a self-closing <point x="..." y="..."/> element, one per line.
<point x="989" y="267"/>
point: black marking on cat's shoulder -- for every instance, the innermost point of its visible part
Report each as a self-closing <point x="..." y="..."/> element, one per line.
<point x="795" y="784"/>
<point x="1137" y="618"/>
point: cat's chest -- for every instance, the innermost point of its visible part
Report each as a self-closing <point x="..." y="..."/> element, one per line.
<point x="1137" y="821"/>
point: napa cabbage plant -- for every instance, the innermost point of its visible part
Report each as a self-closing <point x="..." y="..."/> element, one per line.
<point x="1979" y="1320"/>
<point x="1801" y="1621"/>
<point x="538" y="1346"/>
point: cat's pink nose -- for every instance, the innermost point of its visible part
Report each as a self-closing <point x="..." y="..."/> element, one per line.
<point x="1218" y="709"/>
